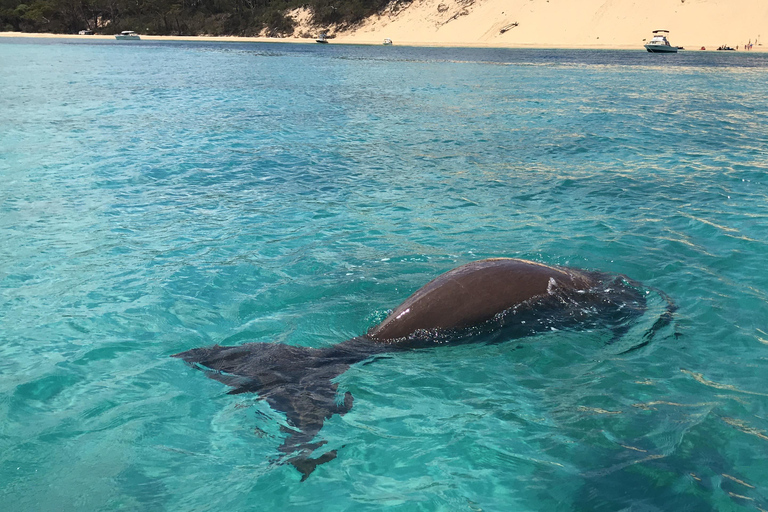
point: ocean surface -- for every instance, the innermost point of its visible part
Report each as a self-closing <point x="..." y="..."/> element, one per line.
<point x="156" y="197"/>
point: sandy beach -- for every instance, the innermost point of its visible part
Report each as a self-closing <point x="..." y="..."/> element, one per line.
<point x="611" y="24"/>
<point x="567" y="24"/>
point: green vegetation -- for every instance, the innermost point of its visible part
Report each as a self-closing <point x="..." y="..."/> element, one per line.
<point x="178" y="17"/>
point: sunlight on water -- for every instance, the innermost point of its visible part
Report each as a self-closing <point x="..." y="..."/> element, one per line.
<point x="161" y="197"/>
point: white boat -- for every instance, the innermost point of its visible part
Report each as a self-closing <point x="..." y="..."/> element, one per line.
<point x="322" y="39"/>
<point x="387" y="42"/>
<point x="659" y="43"/>
<point x="128" y="35"/>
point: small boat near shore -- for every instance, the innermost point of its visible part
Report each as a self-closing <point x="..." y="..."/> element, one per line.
<point x="128" y="35"/>
<point x="659" y="43"/>
<point x="725" y="48"/>
<point x="322" y="38"/>
<point x="387" y="42"/>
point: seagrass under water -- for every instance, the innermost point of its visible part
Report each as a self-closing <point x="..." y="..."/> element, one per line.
<point x="160" y="197"/>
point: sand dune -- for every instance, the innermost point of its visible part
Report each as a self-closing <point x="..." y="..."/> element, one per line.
<point x="568" y="23"/>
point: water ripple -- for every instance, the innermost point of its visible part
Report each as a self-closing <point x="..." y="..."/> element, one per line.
<point x="160" y="197"/>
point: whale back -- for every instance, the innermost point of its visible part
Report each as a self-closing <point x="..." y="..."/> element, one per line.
<point x="475" y="293"/>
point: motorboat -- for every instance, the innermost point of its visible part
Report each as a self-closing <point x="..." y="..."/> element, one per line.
<point x="387" y="42"/>
<point x="659" y="43"/>
<point x="127" y="35"/>
<point x="726" y="48"/>
<point x="322" y="38"/>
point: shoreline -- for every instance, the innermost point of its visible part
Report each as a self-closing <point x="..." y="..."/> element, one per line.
<point x="350" y="40"/>
<point x="540" y="24"/>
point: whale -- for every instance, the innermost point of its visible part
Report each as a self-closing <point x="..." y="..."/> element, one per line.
<point x="485" y="301"/>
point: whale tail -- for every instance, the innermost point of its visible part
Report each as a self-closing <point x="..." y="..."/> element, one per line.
<point x="294" y="380"/>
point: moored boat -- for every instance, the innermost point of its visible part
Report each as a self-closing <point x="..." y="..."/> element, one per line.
<point x="659" y="43"/>
<point x="127" y="35"/>
<point x="322" y="38"/>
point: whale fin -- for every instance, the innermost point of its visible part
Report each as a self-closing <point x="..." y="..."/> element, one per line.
<point x="294" y="380"/>
<point x="665" y="319"/>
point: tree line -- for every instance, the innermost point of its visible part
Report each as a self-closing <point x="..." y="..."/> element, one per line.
<point x="178" y="17"/>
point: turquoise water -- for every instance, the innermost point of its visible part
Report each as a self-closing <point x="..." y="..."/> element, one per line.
<point x="160" y="197"/>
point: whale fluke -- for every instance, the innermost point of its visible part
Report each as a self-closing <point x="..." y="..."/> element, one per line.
<point x="294" y="380"/>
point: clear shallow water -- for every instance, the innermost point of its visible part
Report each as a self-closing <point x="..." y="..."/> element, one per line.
<point x="160" y="197"/>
